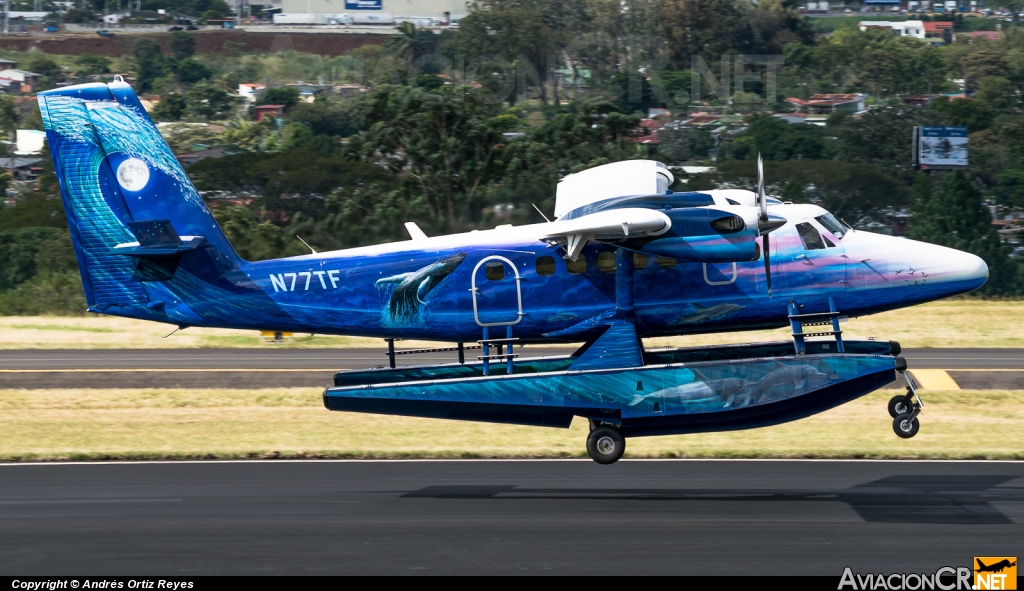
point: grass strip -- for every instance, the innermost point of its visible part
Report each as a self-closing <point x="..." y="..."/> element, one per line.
<point x="60" y="425"/>
<point x="950" y="323"/>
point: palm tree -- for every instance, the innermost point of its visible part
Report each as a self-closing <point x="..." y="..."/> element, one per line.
<point x="411" y="43"/>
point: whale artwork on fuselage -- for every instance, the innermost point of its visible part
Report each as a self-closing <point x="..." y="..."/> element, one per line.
<point x="624" y="259"/>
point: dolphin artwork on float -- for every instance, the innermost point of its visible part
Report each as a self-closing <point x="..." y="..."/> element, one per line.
<point x="702" y="314"/>
<point x="726" y="392"/>
<point x="412" y="288"/>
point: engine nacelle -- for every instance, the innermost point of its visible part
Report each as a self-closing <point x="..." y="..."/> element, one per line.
<point x="714" y="234"/>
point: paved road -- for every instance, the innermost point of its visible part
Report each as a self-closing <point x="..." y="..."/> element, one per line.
<point x="507" y="517"/>
<point x="268" y="367"/>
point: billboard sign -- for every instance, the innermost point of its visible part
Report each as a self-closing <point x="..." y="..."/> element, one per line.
<point x="364" y="4"/>
<point x="942" y="146"/>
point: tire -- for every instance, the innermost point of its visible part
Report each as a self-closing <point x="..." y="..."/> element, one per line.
<point x="904" y="428"/>
<point x="899" y="405"/>
<point x="605" y="445"/>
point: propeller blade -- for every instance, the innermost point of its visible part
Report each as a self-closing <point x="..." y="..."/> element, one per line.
<point x="762" y="199"/>
<point x="767" y="263"/>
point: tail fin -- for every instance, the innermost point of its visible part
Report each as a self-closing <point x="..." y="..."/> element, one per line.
<point x="116" y="172"/>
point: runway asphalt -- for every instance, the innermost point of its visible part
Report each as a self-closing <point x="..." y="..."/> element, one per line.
<point x="507" y="517"/>
<point x="268" y="367"/>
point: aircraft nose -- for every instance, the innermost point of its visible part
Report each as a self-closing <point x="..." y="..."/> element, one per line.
<point x="968" y="268"/>
<point x="957" y="271"/>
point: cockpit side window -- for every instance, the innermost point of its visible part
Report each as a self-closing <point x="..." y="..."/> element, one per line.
<point x="831" y="224"/>
<point x="810" y="237"/>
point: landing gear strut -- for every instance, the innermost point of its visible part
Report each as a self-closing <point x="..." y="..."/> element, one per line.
<point x="904" y="410"/>
<point x="605" y="444"/>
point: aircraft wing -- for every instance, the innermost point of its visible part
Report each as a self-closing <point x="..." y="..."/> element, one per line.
<point x="613" y="224"/>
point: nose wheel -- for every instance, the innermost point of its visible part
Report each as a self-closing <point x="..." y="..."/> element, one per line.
<point x="905" y="409"/>
<point x="605" y="444"/>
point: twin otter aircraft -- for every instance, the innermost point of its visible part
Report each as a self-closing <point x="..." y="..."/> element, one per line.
<point x="625" y="259"/>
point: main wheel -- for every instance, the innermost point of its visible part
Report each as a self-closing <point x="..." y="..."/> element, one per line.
<point x="900" y="404"/>
<point x="904" y="427"/>
<point x="606" y="445"/>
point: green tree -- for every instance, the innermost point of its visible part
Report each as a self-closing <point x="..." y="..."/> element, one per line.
<point x="18" y="251"/>
<point x="88" y="63"/>
<point x="324" y="118"/>
<point x="998" y="92"/>
<point x="883" y="137"/>
<point x="524" y="33"/>
<point x="150" y="63"/>
<point x="972" y="113"/>
<point x="443" y="145"/>
<point x="41" y="63"/>
<point x="955" y="215"/>
<point x="411" y="43"/>
<point x="775" y="139"/>
<point x="190" y="71"/>
<point x="181" y="44"/>
<point x="280" y="95"/>
<point x="170" y="108"/>
<point x="208" y="102"/>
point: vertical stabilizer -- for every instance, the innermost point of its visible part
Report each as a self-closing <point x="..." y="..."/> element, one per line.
<point x="115" y="169"/>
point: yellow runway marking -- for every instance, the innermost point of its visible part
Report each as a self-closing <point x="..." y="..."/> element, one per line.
<point x="934" y="379"/>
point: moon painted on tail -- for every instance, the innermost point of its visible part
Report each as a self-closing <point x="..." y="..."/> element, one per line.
<point x="133" y="174"/>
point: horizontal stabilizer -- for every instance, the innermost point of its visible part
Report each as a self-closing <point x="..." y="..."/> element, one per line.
<point x="156" y="238"/>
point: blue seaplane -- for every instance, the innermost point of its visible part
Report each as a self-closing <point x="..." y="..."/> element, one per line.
<point x="624" y="259"/>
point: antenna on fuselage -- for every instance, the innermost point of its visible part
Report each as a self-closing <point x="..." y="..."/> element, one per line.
<point x="541" y="213"/>
<point x="313" y="250"/>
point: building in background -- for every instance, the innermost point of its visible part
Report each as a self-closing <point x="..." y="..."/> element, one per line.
<point x="251" y="91"/>
<point x="820" y="106"/>
<point x="900" y="29"/>
<point x="324" y="11"/>
<point x="29" y="141"/>
<point x="23" y="80"/>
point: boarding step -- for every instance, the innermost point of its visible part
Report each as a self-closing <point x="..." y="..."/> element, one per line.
<point x="799" y="322"/>
<point x="437" y="350"/>
<point x="498" y="356"/>
<point x="815" y="316"/>
<point x="498" y="341"/>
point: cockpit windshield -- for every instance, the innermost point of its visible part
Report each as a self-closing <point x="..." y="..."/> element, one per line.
<point x="832" y="225"/>
<point x="810" y="237"/>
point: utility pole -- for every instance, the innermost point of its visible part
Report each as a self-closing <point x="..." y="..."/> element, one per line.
<point x="7" y="11"/>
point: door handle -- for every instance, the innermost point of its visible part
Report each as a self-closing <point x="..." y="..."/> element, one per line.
<point x="800" y="256"/>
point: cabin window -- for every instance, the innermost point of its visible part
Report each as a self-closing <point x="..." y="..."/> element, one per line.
<point x="666" y="262"/>
<point x="831" y="224"/>
<point x="606" y="262"/>
<point x="810" y="237"/>
<point x="578" y="266"/>
<point x="639" y="261"/>
<point x="545" y="266"/>
<point x="494" y="271"/>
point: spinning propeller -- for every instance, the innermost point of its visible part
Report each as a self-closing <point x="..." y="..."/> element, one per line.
<point x="765" y="225"/>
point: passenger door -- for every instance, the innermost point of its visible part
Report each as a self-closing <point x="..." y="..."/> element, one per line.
<point x="497" y="293"/>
